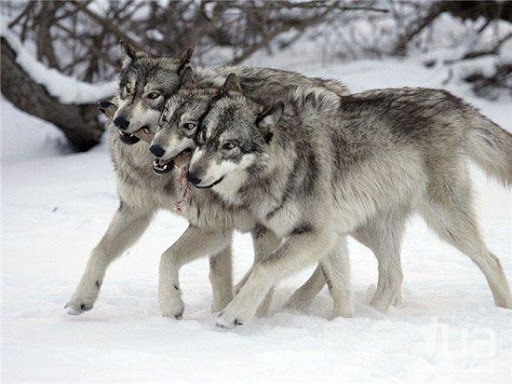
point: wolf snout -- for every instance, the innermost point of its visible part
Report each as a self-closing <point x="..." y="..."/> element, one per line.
<point x="157" y="150"/>
<point x="121" y="122"/>
<point x="192" y="177"/>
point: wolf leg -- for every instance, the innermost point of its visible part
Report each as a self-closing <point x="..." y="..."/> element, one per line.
<point x="339" y="270"/>
<point x="304" y="296"/>
<point x="336" y="270"/>
<point x="453" y="219"/>
<point x="126" y="227"/>
<point x="264" y="308"/>
<point x="191" y="245"/>
<point x="383" y="236"/>
<point x="265" y="241"/>
<point x="295" y="253"/>
<point x="221" y="278"/>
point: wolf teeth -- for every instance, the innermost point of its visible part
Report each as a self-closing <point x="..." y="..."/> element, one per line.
<point x="121" y="133"/>
<point x="157" y="165"/>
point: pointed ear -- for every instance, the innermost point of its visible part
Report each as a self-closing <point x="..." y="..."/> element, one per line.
<point x="268" y="119"/>
<point x="184" y="60"/>
<point x="130" y="54"/>
<point x="232" y="86"/>
<point x="188" y="77"/>
<point x="107" y="108"/>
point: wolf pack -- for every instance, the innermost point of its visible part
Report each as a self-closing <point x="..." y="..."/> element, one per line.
<point x="300" y="163"/>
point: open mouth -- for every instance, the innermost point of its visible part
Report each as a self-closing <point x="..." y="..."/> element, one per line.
<point x="211" y="185"/>
<point x="130" y="138"/>
<point x="161" y="166"/>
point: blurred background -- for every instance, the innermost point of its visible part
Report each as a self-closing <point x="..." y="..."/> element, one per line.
<point x="470" y="40"/>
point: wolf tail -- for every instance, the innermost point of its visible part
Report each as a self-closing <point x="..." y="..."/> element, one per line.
<point x="490" y="146"/>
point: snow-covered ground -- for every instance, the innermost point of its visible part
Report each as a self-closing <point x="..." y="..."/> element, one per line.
<point x="56" y="206"/>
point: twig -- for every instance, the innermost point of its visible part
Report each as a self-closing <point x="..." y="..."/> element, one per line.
<point x="108" y="25"/>
<point x="23" y="13"/>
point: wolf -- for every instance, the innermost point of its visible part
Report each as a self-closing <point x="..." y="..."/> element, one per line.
<point x="314" y="167"/>
<point x="142" y="193"/>
<point x="178" y="127"/>
<point x="211" y="225"/>
<point x="144" y="84"/>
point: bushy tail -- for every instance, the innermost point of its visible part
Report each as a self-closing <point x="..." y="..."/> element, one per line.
<point x="490" y="146"/>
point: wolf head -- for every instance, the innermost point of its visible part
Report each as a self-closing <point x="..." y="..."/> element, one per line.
<point x="144" y="85"/>
<point x="178" y="124"/>
<point x="234" y="136"/>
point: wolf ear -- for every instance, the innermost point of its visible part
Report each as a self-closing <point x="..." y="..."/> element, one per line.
<point x="107" y="108"/>
<point x="184" y="60"/>
<point x="130" y="54"/>
<point x="188" y="76"/>
<point x="232" y="86"/>
<point x="268" y="119"/>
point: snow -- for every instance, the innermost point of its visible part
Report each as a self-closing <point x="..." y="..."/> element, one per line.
<point x="67" y="89"/>
<point x="21" y="131"/>
<point x="55" y="208"/>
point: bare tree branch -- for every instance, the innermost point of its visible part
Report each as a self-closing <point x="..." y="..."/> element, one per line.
<point x="78" y="122"/>
<point x="108" y="25"/>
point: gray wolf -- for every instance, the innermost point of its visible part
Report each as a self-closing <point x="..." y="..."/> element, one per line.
<point x="315" y="167"/>
<point x="142" y="192"/>
<point x="145" y="82"/>
<point x="211" y="224"/>
<point x="177" y="129"/>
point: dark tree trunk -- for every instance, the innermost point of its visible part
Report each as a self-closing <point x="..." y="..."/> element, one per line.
<point x="79" y="123"/>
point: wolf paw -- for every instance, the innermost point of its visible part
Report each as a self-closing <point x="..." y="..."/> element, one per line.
<point x="232" y="317"/>
<point x="83" y="299"/>
<point x="344" y="310"/>
<point x="75" y="308"/>
<point x="171" y="306"/>
<point x="399" y="299"/>
<point x="228" y="324"/>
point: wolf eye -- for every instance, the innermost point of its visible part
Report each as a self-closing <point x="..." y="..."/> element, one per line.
<point x="189" y="126"/>
<point x="229" y="145"/>
<point x="153" y="95"/>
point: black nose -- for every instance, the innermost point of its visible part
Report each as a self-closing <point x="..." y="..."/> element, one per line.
<point x="193" y="179"/>
<point x="121" y="122"/>
<point x="157" y="150"/>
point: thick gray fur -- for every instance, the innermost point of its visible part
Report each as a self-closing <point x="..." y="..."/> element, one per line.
<point x="177" y="130"/>
<point x="142" y="192"/>
<point x="314" y="167"/>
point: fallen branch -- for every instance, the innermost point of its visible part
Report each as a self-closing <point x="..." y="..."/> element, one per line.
<point x="78" y="122"/>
